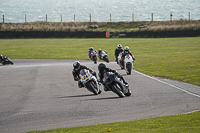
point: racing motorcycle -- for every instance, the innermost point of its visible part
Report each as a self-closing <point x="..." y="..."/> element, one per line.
<point x="6" y="60"/>
<point x="128" y="63"/>
<point x="119" y="58"/>
<point x="90" y="81"/>
<point x="93" y="56"/>
<point x="104" y="56"/>
<point x="116" y="85"/>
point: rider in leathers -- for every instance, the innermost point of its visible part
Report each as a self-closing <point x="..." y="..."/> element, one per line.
<point x="124" y="53"/>
<point x="103" y="69"/>
<point x="89" y="52"/>
<point x="117" y="51"/>
<point x="1" y="58"/>
<point x="76" y="72"/>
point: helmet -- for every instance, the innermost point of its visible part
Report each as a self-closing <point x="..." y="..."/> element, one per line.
<point x="91" y="48"/>
<point x="76" y="65"/>
<point x="1" y="56"/>
<point x="99" y="49"/>
<point x="119" y="46"/>
<point x="101" y="67"/>
<point x="126" y="49"/>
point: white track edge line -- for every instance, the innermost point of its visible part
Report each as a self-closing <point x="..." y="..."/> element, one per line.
<point x="167" y="84"/>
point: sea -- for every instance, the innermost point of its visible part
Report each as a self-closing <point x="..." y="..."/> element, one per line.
<point x="19" y="11"/>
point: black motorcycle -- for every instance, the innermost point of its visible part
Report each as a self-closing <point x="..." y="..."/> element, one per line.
<point x="115" y="84"/>
<point x="6" y="60"/>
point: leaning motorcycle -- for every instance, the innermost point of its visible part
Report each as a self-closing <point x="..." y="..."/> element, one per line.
<point x="104" y="56"/>
<point x="93" y="56"/>
<point x="116" y="85"/>
<point x="90" y="81"/>
<point x="6" y="61"/>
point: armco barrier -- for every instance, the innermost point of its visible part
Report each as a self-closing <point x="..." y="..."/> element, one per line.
<point x="91" y="34"/>
<point x="181" y="33"/>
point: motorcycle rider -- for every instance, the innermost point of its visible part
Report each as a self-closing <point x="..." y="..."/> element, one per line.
<point x="124" y="53"/>
<point x="103" y="69"/>
<point x="1" y="58"/>
<point x="91" y="50"/>
<point x="99" y="53"/>
<point x="117" y="51"/>
<point x="76" y="72"/>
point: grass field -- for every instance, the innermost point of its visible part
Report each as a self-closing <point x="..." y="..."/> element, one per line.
<point x="174" y="58"/>
<point x="187" y="123"/>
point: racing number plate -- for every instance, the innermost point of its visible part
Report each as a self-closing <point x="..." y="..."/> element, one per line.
<point x="85" y="77"/>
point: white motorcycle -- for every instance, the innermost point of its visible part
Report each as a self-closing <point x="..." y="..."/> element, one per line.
<point x="90" y="81"/>
<point x="128" y="63"/>
<point x="104" y="56"/>
<point x="119" y="58"/>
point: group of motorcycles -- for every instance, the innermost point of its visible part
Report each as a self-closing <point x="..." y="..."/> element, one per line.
<point x="5" y="60"/>
<point x="113" y="83"/>
<point x="103" y="56"/>
<point x="127" y="65"/>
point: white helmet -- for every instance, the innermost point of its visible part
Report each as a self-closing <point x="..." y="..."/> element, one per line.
<point x="126" y="49"/>
<point x="119" y="46"/>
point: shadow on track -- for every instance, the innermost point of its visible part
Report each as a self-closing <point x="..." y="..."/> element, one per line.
<point x="78" y="96"/>
<point x="105" y="98"/>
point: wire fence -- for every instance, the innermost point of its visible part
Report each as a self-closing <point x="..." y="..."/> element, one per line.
<point x="111" y="18"/>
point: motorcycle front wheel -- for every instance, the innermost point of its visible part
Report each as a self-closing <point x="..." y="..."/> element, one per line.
<point x="92" y="88"/>
<point x="116" y="89"/>
<point x="129" y="69"/>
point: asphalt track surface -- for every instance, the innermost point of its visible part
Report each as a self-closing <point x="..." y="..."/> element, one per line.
<point x="41" y="95"/>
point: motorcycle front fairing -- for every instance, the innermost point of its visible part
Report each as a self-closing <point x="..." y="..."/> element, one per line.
<point x="86" y="76"/>
<point x="128" y="60"/>
<point x="111" y="79"/>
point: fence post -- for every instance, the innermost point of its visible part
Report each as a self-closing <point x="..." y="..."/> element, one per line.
<point x="3" y="19"/>
<point x="74" y="18"/>
<point x="61" y="17"/>
<point x="189" y="15"/>
<point x="151" y="16"/>
<point x="132" y="17"/>
<point x="25" y="18"/>
<point x="171" y="16"/>
<point x="90" y="18"/>
<point x="110" y="17"/>
<point x="46" y="19"/>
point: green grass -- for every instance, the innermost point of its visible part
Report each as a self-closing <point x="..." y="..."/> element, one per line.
<point x="186" y="123"/>
<point x="174" y="58"/>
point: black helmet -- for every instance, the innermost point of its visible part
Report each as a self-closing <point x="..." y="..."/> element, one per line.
<point x="101" y="66"/>
<point x="76" y="65"/>
<point x="1" y="56"/>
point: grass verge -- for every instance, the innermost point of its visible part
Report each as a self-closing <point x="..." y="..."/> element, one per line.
<point x="186" y="123"/>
